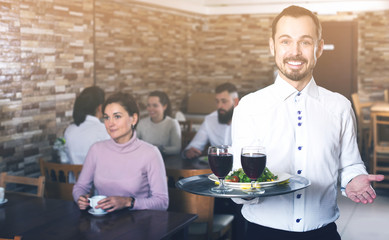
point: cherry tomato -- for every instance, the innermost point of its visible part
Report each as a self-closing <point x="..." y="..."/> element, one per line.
<point x="235" y="179"/>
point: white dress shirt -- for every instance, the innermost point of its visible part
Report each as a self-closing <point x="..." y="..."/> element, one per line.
<point x="212" y="132"/>
<point x="80" y="138"/>
<point x="309" y="133"/>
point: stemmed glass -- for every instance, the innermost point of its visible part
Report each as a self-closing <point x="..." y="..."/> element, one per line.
<point x="220" y="160"/>
<point x="253" y="159"/>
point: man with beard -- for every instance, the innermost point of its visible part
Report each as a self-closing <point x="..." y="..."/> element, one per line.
<point x="307" y="131"/>
<point x="216" y="128"/>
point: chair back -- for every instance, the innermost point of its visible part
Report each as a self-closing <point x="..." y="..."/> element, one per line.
<point x="201" y="103"/>
<point x="60" y="179"/>
<point x="186" y="126"/>
<point x="186" y="137"/>
<point x="386" y="95"/>
<point x="364" y="124"/>
<point x="181" y="201"/>
<point x="186" y="133"/>
<point x="359" y="107"/>
<point x="380" y="164"/>
<point x="39" y="183"/>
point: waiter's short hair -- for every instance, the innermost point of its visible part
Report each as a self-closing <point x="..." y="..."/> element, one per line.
<point x="296" y="11"/>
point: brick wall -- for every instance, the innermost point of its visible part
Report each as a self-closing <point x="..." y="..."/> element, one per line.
<point x="46" y="58"/>
<point x="51" y="50"/>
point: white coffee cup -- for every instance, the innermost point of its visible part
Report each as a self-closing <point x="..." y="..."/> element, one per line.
<point x="1" y="194"/>
<point x="93" y="202"/>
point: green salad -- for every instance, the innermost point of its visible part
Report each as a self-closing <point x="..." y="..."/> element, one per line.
<point x="239" y="176"/>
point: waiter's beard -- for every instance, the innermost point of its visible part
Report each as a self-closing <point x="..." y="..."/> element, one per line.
<point x="225" y="117"/>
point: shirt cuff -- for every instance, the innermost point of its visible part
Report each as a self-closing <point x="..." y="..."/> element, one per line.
<point x="246" y="201"/>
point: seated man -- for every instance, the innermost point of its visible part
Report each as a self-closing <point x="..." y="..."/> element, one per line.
<point x="216" y="128"/>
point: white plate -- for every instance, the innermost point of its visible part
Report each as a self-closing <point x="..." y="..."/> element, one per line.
<point x="282" y="177"/>
<point x="4" y="201"/>
<point x="91" y="211"/>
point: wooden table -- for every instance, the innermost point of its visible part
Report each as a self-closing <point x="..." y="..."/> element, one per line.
<point x="40" y="218"/>
<point x="177" y="162"/>
<point x="379" y="164"/>
<point x="376" y="108"/>
<point x="379" y="107"/>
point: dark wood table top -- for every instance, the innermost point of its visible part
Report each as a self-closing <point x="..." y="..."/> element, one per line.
<point x="177" y="162"/>
<point x="40" y="218"/>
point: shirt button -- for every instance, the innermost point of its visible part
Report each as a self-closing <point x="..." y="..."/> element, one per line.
<point x="298" y="196"/>
<point x="299" y="124"/>
<point x="298" y="220"/>
<point x="298" y="112"/>
<point x="300" y="147"/>
<point x="299" y="118"/>
<point x="298" y="94"/>
<point x="299" y="171"/>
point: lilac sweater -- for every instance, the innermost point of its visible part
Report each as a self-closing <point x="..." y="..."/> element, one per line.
<point x="134" y="169"/>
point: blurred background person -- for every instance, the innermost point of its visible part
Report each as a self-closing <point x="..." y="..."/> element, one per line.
<point x="159" y="128"/>
<point x="129" y="171"/>
<point x="87" y="127"/>
<point x="216" y="128"/>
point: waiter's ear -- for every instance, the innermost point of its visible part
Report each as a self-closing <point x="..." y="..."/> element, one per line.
<point x="320" y="48"/>
<point x="271" y="46"/>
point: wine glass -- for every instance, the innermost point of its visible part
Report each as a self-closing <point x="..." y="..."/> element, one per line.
<point x="220" y="160"/>
<point x="253" y="159"/>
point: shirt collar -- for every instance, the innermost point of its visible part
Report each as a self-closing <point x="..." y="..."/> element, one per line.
<point x="92" y="118"/>
<point x="284" y="90"/>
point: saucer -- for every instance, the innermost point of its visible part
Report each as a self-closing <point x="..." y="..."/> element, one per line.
<point x="4" y="201"/>
<point x="91" y="211"/>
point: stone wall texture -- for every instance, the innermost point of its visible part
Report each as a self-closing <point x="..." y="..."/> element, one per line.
<point x="52" y="49"/>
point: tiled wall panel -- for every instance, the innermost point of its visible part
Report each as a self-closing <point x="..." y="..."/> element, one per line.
<point x="50" y="59"/>
<point x="140" y="49"/>
<point x="11" y="123"/>
<point x="373" y="54"/>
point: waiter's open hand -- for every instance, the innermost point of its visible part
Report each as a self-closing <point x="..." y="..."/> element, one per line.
<point x="360" y="190"/>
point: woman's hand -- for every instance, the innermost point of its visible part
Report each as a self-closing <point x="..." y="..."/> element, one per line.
<point x="111" y="204"/>
<point x="83" y="202"/>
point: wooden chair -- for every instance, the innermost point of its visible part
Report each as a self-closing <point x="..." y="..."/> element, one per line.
<point x="207" y="225"/>
<point x="364" y="123"/>
<point x="39" y="183"/>
<point x="186" y="137"/>
<point x="386" y="95"/>
<point x="186" y="133"/>
<point x="380" y="163"/>
<point x="186" y="126"/>
<point x="58" y="179"/>
<point x="15" y="238"/>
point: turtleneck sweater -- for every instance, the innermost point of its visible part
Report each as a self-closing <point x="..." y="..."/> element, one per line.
<point x="133" y="169"/>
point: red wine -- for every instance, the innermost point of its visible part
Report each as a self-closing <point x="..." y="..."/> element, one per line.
<point x="253" y="165"/>
<point x="220" y="165"/>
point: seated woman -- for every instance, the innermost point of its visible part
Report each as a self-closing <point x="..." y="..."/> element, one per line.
<point x="129" y="171"/>
<point x="159" y="128"/>
<point x="87" y="127"/>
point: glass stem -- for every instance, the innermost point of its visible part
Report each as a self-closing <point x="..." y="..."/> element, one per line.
<point x="252" y="185"/>
<point x="221" y="183"/>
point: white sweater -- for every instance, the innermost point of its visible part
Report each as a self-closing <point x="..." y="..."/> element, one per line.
<point x="166" y="135"/>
